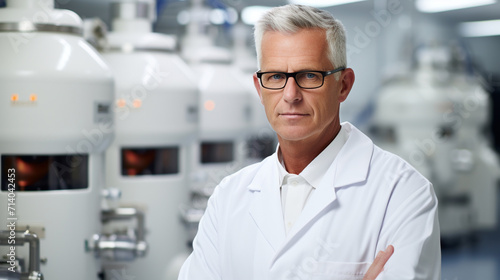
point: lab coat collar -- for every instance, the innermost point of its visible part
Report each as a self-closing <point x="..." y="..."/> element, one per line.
<point x="354" y="158"/>
<point x="316" y="169"/>
<point x="350" y="167"/>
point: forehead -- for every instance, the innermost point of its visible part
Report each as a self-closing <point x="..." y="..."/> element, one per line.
<point x="306" y="49"/>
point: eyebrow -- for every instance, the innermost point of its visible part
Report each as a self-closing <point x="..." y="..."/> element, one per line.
<point x="304" y="70"/>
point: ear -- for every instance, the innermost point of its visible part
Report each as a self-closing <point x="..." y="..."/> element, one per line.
<point x="256" y="83"/>
<point x="346" y="82"/>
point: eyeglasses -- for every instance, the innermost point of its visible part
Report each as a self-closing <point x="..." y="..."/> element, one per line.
<point x="304" y="79"/>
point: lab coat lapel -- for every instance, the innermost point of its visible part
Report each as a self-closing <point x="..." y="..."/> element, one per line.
<point x="350" y="167"/>
<point x="265" y="207"/>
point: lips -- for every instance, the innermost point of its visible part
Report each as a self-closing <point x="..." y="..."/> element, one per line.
<point x="292" y="116"/>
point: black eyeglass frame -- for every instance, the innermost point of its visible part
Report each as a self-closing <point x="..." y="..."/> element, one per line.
<point x="294" y="74"/>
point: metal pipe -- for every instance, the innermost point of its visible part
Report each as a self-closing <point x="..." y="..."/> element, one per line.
<point x="32" y="239"/>
<point x="34" y="250"/>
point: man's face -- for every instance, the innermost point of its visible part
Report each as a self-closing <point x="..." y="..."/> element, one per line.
<point x="298" y="114"/>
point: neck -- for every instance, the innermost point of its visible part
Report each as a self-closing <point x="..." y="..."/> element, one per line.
<point x="298" y="154"/>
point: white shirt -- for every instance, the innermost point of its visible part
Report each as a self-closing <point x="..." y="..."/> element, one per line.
<point x="296" y="189"/>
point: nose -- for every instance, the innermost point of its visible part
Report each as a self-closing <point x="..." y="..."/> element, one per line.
<point x="291" y="91"/>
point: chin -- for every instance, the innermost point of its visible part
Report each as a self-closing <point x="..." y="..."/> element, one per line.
<point x="293" y="135"/>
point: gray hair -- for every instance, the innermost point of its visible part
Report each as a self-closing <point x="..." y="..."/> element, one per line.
<point x="291" y="18"/>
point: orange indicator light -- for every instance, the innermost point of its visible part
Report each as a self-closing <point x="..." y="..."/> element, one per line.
<point x="33" y="97"/>
<point x="121" y="103"/>
<point x="14" y="97"/>
<point x="137" y="103"/>
<point x="209" y="105"/>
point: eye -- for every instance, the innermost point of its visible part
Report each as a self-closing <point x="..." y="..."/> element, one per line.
<point x="273" y="77"/>
<point x="311" y="75"/>
<point x="276" y="76"/>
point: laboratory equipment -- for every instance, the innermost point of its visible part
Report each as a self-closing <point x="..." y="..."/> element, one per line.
<point x="156" y="115"/>
<point x="224" y="113"/>
<point x="435" y="120"/>
<point x="56" y="122"/>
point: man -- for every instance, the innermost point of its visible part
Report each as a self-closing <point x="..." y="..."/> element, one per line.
<point x="328" y="200"/>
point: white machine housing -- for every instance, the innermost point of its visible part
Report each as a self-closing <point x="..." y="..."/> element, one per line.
<point x="434" y="121"/>
<point x="224" y="120"/>
<point x="56" y="122"/>
<point x="224" y="106"/>
<point x="156" y="114"/>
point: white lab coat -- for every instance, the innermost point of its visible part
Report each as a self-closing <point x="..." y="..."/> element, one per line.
<point x="368" y="199"/>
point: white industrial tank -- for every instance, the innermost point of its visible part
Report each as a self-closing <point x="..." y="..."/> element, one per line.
<point x="409" y="115"/>
<point x="435" y="120"/>
<point x="156" y="113"/>
<point x="224" y="113"/>
<point x="56" y="122"/>
<point x="475" y="164"/>
<point x="224" y="120"/>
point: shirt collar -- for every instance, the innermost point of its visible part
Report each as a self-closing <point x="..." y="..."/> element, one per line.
<point x="316" y="169"/>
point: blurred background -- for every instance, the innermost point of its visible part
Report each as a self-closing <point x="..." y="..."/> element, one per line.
<point x="118" y="118"/>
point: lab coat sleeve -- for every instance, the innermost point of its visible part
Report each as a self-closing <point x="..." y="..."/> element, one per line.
<point x="411" y="226"/>
<point x="204" y="261"/>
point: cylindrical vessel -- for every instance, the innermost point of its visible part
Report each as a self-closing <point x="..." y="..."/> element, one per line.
<point x="434" y="120"/>
<point x="224" y="120"/>
<point x="156" y="114"/>
<point x="224" y="114"/>
<point x="56" y="122"/>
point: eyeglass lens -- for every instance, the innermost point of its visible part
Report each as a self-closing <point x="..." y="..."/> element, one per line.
<point x="303" y="79"/>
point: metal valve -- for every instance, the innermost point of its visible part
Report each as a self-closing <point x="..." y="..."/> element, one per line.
<point x="120" y="247"/>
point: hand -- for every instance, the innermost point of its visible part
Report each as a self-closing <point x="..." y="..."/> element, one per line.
<point x="378" y="264"/>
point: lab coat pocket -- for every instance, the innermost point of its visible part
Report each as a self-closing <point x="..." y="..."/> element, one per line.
<point x="341" y="270"/>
